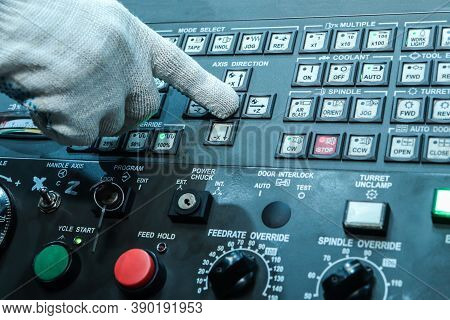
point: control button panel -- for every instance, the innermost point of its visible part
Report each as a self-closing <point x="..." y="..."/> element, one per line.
<point x="361" y="147"/>
<point x="251" y="43"/>
<point x="308" y="74"/>
<point x="439" y="111"/>
<point x="380" y="39"/>
<point x="196" y="45"/>
<point x="409" y="110"/>
<point x="437" y="149"/>
<point x="259" y="106"/>
<point x="281" y="42"/>
<point x="403" y="148"/>
<point x="238" y="79"/>
<point x="316" y="41"/>
<point x="137" y="141"/>
<point x="167" y="140"/>
<point x="367" y="109"/>
<point x="340" y="74"/>
<point x="221" y="133"/>
<point x="347" y="41"/>
<point x="414" y="74"/>
<point x="292" y="146"/>
<point x="301" y="109"/>
<point x="419" y="38"/>
<point x="333" y="109"/>
<point x="223" y="44"/>
<point x="108" y="144"/>
<point x="374" y="73"/>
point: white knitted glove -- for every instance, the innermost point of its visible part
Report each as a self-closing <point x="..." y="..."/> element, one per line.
<point x="85" y="68"/>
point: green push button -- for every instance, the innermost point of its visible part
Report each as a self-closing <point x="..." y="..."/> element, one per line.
<point x="441" y="205"/>
<point x="51" y="263"/>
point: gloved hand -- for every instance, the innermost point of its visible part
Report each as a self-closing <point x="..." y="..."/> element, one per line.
<point x="85" y="68"/>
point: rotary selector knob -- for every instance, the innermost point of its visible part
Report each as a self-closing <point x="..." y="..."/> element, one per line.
<point x="233" y="274"/>
<point x="353" y="280"/>
<point x="139" y="272"/>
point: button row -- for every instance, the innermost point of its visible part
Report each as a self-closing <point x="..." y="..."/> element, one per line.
<point x="363" y="147"/>
<point x="419" y="73"/>
<point x="269" y="42"/>
<point x="161" y="141"/>
<point x="313" y="41"/>
<point x="332" y="109"/>
<point x="327" y="146"/>
<point x="256" y="107"/>
<point x="370" y="73"/>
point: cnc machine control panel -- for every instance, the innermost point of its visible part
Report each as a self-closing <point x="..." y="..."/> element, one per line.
<point x="331" y="181"/>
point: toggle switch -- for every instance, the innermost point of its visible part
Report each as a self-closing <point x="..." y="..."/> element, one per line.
<point x="49" y="201"/>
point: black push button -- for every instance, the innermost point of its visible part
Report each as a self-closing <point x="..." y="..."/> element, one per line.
<point x="441" y="73"/>
<point x="108" y="144"/>
<point x="196" y="45"/>
<point x="281" y="42"/>
<point x="276" y="214"/>
<point x="408" y="110"/>
<point x="367" y="109"/>
<point x="340" y="74"/>
<point x="251" y="43"/>
<point x="315" y="41"/>
<point x="419" y="38"/>
<point x="333" y="109"/>
<point x="223" y="44"/>
<point x="259" y="106"/>
<point x="222" y="133"/>
<point x="414" y="73"/>
<point x="379" y="39"/>
<point x="238" y="79"/>
<point x="361" y="147"/>
<point x="439" y="110"/>
<point x="347" y="40"/>
<point x="138" y="141"/>
<point x="196" y="111"/>
<point x="308" y="74"/>
<point x="374" y="73"/>
<point x="167" y="140"/>
<point x="292" y="145"/>
<point x="176" y="39"/>
<point x="437" y="149"/>
<point x="443" y="38"/>
<point x="403" y="148"/>
<point x="301" y="109"/>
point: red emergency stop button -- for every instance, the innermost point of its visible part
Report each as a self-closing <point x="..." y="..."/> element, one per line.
<point x="134" y="269"/>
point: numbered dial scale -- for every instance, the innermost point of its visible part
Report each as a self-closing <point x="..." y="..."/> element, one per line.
<point x="7" y="220"/>
<point x="239" y="270"/>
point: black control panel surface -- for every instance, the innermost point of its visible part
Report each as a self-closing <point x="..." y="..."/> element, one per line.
<point x="331" y="181"/>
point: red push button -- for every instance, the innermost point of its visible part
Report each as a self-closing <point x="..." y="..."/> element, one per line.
<point x="325" y="145"/>
<point x="134" y="269"/>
